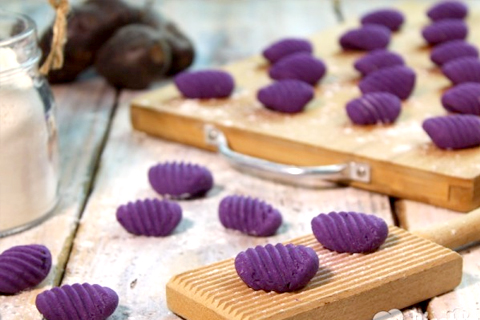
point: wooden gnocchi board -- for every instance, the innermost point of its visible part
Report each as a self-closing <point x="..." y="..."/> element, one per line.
<point x="403" y="160"/>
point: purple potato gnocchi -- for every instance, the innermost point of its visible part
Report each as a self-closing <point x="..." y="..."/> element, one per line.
<point x="279" y="268"/>
<point x="376" y="60"/>
<point x="463" y="98"/>
<point x="390" y="18"/>
<point x="300" y="66"/>
<point x="454" y="131"/>
<point x="77" y="302"/>
<point x="452" y="50"/>
<point x="444" y="31"/>
<point x="351" y="232"/>
<point x="366" y="38"/>
<point x="150" y="217"/>
<point x="286" y="47"/>
<point x="373" y="108"/>
<point x="447" y="10"/>
<point x="286" y="96"/>
<point x="249" y="215"/>
<point x="398" y="80"/>
<point x="466" y="69"/>
<point x="180" y="180"/>
<point x="205" y="84"/>
<point x="23" y="267"/>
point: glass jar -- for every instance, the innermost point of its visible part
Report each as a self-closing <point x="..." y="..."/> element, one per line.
<point x="28" y="133"/>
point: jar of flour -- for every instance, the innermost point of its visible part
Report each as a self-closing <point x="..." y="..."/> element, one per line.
<point x="28" y="133"/>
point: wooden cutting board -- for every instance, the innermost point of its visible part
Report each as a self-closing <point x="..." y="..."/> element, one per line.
<point x="403" y="160"/>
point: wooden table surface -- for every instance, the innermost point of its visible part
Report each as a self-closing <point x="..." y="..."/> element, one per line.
<point x="105" y="162"/>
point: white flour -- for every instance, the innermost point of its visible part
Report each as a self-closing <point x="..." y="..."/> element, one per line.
<point x="28" y="177"/>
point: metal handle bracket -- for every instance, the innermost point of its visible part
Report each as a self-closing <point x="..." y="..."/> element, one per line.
<point x="297" y="175"/>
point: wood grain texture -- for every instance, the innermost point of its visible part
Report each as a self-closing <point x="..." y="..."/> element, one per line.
<point x="83" y="112"/>
<point x="464" y="301"/>
<point x="138" y="268"/>
<point x="404" y="162"/>
<point x="351" y="287"/>
<point x="413" y="215"/>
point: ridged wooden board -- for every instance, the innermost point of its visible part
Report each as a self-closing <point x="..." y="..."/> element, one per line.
<point x="406" y="269"/>
<point x="404" y="161"/>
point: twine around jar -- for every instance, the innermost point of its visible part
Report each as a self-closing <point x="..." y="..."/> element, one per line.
<point x="54" y="59"/>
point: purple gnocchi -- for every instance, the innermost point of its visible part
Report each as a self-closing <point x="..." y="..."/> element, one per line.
<point x="366" y="38"/>
<point x="390" y="18"/>
<point x="23" y="267"/>
<point x="286" y="96"/>
<point x="77" y="302"/>
<point x="351" y="232"/>
<point x="279" y="268"/>
<point x="376" y="60"/>
<point x="373" y="108"/>
<point x="249" y="215"/>
<point x="448" y="10"/>
<point x="459" y="131"/>
<point x="205" y="84"/>
<point x="286" y="47"/>
<point x="398" y="80"/>
<point x="150" y="217"/>
<point x="452" y="50"/>
<point x="300" y="66"/>
<point x="466" y="69"/>
<point x="180" y="180"/>
<point x="463" y="98"/>
<point x="444" y="31"/>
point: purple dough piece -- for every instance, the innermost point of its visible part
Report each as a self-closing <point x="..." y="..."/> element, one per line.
<point x="376" y="60"/>
<point x="459" y="131"/>
<point x="277" y="268"/>
<point x="349" y="231"/>
<point x="452" y="50"/>
<point x="463" y="98"/>
<point x="390" y="18"/>
<point x="466" y="69"/>
<point x="23" y="267"/>
<point x="77" y="302"/>
<point x="373" y="108"/>
<point x="150" y="217"/>
<point x="285" y="47"/>
<point x="398" y="80"/>
<point x="444" y="31"/>
<point x="447" y="10"/>
<point x="249" y="215"/>
<point x="300" y="66"/>
<point x="180" y="180"/>
<point x="367" y="38"/>
<point x="206" y="84"/>
<point x="287" y="96"/>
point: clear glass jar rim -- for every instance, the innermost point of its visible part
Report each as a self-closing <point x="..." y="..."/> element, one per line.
<point x="28" y="23"/>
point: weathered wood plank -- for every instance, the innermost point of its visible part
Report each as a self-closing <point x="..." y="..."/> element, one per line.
<point x="464" y="301"/>
<point x="84" y="110"/>
<point x="139" y="267"/>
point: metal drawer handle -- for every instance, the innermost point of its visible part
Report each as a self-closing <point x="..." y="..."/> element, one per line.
<point x="297" y="175"/>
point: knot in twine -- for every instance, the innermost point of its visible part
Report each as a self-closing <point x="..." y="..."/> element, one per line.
<point x="54" y="59"/>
